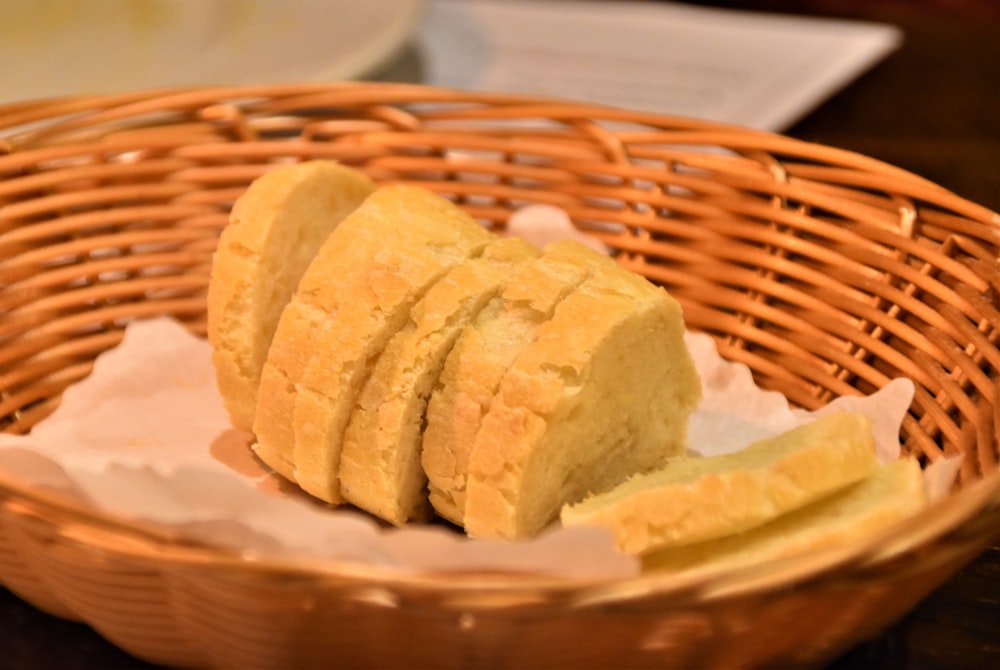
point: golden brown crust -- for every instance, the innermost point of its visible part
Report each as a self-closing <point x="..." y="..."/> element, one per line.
<point x="274" y="229"/>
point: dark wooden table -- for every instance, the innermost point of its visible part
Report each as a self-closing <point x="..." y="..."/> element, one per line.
<point x="933" y="107"/>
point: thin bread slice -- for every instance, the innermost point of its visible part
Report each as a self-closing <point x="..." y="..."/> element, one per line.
<point x="274" y="230"/>
<point x="698" y="499"/>
<point x="415" y="237"/>
<point x="860" y="511"/>
<point x="380" y="469"/>
<point x="604" y="392"/>
<point x="481" y="356"/>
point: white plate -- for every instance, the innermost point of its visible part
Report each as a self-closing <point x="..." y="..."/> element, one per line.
<point x="63" y="47"/>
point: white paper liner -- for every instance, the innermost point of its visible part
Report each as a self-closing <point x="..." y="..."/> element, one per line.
<point x="542" y="224"/>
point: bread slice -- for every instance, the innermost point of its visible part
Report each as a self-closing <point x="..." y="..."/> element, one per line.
<point x="697" y="499"/>
<point x="481" y="356"/>
<point x="274" y="230"/>
<point x="380" y="469"/>
<point x="604" y="392"/>
<point x="412" y="237"/>
<point x="862" y="510"/>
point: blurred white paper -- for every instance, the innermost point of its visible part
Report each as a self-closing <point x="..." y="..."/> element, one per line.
<point x="751" y="69"/>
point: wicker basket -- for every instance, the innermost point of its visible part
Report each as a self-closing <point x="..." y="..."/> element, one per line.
<point x="826" y="272"/>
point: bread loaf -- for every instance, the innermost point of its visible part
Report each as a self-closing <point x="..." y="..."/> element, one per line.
<point x="603" y="392"/>
<point x="485" y="349"/>
<point x="380" y="469"/>
<point x="390" y="352"/>
<point x="274" y="230"/>
<point x="697" y="499"/>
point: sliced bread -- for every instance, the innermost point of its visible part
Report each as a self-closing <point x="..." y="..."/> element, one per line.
<point x="484" y="350"/>
<point x="604" y="392"/>
<point x="391" y="230"/>
<point x="862" y="510"/>
<point x="697" y="499"/>
<point x="274" y="230"/>
<point x="413" y="237"/>
<point x="380" y="469"/>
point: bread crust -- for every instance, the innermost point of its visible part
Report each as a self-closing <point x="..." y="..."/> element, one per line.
<point x="274" y="229"/>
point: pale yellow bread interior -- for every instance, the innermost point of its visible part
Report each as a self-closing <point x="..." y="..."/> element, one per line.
<point x="862" y="510"/>
<point x="274" y="230"/>
<point x="347" y="251"/>
<point x="380" y="469"/>
<point x="414" y="238"/>
<point x="605" y="391"/>
<point x="696" y="499"/>
<point x="484" y="350"/>
<point x="379" y="249"/>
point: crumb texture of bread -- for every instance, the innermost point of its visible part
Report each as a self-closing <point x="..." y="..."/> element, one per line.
<point x="895" y="491"/>
<point x="604" y="392"/>
<point x="412" y="238"/>
<point x="696" y="499"/>
<point x="483" y="352"/>
<point x="380" y="469"/>
<point x="274" y="230"/>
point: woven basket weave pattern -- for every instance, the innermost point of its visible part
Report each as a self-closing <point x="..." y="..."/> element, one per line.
<point x="826" y="272"/>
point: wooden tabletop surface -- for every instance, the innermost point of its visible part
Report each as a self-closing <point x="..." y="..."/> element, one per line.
<point x="932" y="107"/>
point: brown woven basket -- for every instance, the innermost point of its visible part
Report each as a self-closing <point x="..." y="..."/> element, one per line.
<point x="826" y="272"/>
